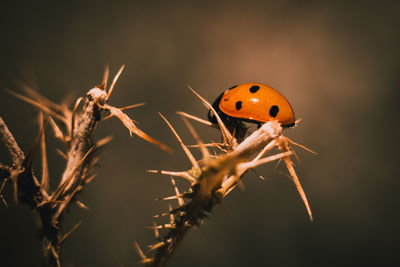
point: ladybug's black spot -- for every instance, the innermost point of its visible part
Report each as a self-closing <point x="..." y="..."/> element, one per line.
<point x="273" y="111"/>
<point x="226" y="99"/>
<point x="232" y="87"/>
<point x="238" y="105"/>
<point x="254" y="88"/>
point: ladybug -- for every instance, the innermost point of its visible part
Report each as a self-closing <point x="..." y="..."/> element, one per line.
<point x="251" y="102"/>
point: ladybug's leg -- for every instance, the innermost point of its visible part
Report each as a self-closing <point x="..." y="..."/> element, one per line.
<point x="240" y="133"/>
<point x="239" y="129"/>
<point x="259" y="125"/>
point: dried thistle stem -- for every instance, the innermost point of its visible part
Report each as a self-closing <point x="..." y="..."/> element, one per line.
<point x="81" y="154"/>
<point x="217" y="177"/>
<point x="81" y="139"/>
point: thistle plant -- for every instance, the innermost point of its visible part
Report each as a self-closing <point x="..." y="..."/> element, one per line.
<point x="74" y="128"/>
<point x="211" y="178"/>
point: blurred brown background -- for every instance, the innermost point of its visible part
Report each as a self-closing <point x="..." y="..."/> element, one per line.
<point x="336" y="61"/>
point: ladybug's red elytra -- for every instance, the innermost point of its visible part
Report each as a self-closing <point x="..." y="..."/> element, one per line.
<point x="251" y="102"/>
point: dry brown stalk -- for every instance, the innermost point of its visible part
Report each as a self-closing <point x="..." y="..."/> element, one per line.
<point x="74" y="128"/>
<point x="212" y="178"/>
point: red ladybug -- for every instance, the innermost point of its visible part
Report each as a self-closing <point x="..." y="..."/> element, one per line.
<point x="254" y="103"/>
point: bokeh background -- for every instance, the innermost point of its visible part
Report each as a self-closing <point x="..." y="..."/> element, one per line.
<point x="336" y="61"/>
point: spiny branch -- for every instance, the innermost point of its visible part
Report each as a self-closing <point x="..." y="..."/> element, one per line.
<point x="74" y="128"/>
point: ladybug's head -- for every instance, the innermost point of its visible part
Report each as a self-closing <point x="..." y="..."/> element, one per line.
<point x="215" y="105"/>
<point x="234" y="125"/>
